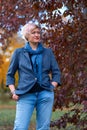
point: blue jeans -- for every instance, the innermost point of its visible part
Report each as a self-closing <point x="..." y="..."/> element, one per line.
<point x="43" y="102"/>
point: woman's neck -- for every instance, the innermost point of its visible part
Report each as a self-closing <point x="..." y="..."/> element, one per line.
<point x="33" y="45"/>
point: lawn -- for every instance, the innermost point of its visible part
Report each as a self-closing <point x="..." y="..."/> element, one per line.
<point x="7" y="119"/>
<point x="7" y="115"/>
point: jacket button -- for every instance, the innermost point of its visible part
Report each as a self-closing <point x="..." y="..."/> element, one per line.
<point x="35" y="78"/>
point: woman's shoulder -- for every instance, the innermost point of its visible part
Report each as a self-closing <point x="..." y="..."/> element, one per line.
<point x="18" y="50"/>
<point x="48" y="49"/>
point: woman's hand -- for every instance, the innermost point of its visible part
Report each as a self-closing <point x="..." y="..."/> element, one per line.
<point x="15" y="97"/>
<point x="12" y="93"/>
<point x="55" y="84"/>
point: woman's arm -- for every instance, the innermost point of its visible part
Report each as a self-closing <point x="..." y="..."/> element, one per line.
<point x="56" y="74"/>
<point x="10" y="79"/>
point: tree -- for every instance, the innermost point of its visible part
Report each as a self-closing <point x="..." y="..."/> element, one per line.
<point x="5" y="57"/>
<point x="66" y="34"/>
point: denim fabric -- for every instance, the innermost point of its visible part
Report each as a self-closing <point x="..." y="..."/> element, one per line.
<point x="42" y="102"/>
<point x="20" y="62"/>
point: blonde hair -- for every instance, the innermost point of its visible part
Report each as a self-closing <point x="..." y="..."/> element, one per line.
<point x="27" y="27"/>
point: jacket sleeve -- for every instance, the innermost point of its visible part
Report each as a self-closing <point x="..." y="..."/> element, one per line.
<point x="10" y="79"/>
<point x="56" y="74"/>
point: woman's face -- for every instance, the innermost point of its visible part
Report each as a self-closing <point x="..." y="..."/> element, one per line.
<point x="33" y="35"/>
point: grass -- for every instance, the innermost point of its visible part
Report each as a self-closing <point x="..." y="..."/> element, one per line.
<point x="7" y="119"/>
<point x="7" y="115"/>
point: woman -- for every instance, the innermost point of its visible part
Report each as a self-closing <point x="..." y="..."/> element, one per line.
<point x="35" y="88"/>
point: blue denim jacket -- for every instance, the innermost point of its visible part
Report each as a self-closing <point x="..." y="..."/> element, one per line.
<point x="20" y="62"/>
